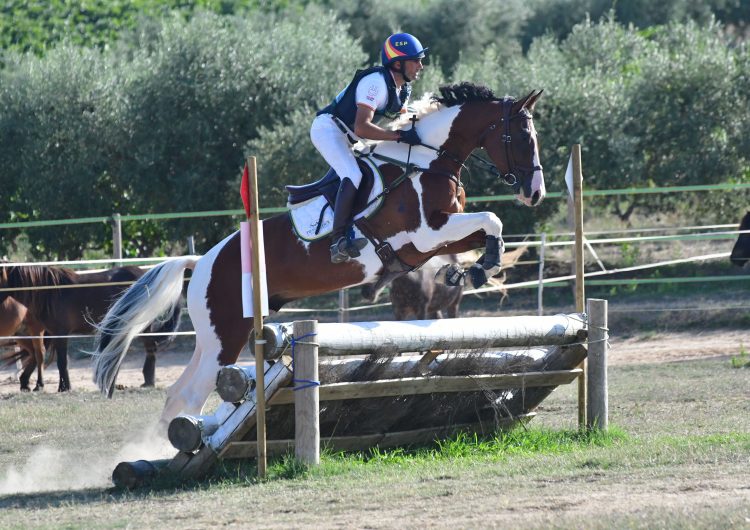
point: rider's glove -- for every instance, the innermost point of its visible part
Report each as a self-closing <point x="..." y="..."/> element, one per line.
<point x="409" y="136"/>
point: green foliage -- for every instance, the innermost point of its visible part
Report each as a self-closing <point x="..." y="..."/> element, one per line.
<point x="654" y="108"/>
<point x="149" y="106"/>
<point x="159" y="126"/>
<point x="37" y="26"/>
<point x="742" y="360"/>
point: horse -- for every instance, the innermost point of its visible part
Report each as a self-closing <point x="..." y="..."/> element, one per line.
<point x="14" y="317"/>
<point x="421" y="215"/>
<point x="63" y="309"/>
<point x="421" y="295"/>
<point x="741" y="252"/>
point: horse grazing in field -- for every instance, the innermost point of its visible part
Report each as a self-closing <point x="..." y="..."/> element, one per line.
<point x="14" y="317"/>
<point x="65" y="305"/>
<point x="424" y="293"/>
<point x="420" y="295"/>
<point x="421" y="215"/>
<point x="741" y="252"/>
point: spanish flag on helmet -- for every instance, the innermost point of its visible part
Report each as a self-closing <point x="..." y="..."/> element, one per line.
<point x="401" y="47"/>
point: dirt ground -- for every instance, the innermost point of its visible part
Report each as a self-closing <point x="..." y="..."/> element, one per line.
<point x="710" y="494"/>
<point x="640" y="349"/>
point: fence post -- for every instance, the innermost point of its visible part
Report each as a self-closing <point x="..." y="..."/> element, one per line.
<point x="343" y="305"/>
<point x="191" y="245"/>
<point x="540" y="295"/>
<point x="598" y="408"/>
<point x="306" y="393"/>
<point x="116" y="236"/>
<point x="578" y="262"/>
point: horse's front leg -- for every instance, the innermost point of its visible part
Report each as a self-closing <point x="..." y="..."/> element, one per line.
<point x="456" y="231"/>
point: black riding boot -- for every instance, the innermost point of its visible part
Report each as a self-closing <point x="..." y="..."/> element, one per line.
<point x="343" y="248"/>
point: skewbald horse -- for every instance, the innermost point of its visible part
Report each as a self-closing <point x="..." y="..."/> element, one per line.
<point x="422" y="217"/>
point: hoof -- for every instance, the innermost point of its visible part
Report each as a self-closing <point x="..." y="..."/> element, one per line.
<point x="477" y="275"/>
<point x="25" y="389"/>
<point x="63" y="388"/>
<point x="148" y="384"/>
<point x="38" y="388"/>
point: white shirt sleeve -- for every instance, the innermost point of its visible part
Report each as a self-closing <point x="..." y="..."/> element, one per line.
<point x="372" y="92"/>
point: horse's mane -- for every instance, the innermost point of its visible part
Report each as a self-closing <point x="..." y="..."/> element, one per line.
<point x="450" y="95"/>
<point x="463" y="93"/>
<point x="42" y="301"/>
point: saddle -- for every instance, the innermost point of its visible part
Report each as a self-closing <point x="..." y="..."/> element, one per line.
<point x="311" y="212"/>
<point x="329" y="185"/>
<point x="311" y="205"/>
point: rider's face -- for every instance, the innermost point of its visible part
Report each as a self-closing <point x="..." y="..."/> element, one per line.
<point x="412" y="68"/>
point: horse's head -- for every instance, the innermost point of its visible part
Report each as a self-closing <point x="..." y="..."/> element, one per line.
<point x="511" y="142"/>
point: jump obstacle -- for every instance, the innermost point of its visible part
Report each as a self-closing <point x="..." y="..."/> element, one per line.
<point x="363" y="393"/>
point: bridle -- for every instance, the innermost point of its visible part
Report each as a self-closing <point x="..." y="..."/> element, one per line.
<point x="513" y="169"/>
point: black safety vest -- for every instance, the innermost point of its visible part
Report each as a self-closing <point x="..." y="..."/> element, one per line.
<point x="345" y="108"/>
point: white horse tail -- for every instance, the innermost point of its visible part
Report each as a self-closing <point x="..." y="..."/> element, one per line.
<point x="154" y="294"/>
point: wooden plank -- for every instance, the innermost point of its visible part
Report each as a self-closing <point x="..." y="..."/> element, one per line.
<point x="247" y="449"/>
<point x="433" y="384"/>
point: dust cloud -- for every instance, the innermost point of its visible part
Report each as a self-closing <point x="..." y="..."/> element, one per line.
<point x="52" y="469"/>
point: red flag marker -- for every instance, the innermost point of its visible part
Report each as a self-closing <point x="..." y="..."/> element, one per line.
<point x="245" y="190"/>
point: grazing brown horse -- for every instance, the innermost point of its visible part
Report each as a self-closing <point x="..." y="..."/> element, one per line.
<point x="63" y="309"/>
<point x="14" y="317"/>
<point x="741" y="251"/>
<point x="421" y="215"/>
<point x="422" y="294"/>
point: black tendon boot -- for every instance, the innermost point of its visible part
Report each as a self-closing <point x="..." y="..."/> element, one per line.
<point x="343" y="248"/>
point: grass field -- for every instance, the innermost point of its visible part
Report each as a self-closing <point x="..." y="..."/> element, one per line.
<point x="677" y="457"/>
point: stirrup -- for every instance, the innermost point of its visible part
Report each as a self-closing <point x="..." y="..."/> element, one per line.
<point x="339" y="252"/>
<point x="344" y="249"/>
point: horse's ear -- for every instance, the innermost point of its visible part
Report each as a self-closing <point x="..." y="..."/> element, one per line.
<point x="531" y="100"/>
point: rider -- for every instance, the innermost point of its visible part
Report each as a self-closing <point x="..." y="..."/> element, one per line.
<point x="380" y="91"/>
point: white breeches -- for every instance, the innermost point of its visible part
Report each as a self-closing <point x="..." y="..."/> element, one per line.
<point x="335" y="148"/>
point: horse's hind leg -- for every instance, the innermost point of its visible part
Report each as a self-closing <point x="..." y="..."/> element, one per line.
<point x="37" y="345"/>
<point x="28" y="369"/>
<point x="190" y="392"/>
<point x="149" y="365"/>
<point x="61" y="347"/>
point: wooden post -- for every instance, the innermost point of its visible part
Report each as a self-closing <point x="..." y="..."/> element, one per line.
<point x="117" y="237"/>
<point x="598" y="408"/>
<point x="343" y="305"/>
<point x="540" y="292"/>
<point x="579" y="283"/>
<point x="306" y="400"/>
<point x="260" y="392"/>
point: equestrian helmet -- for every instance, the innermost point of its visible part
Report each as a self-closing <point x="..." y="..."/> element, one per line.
<point x="401" y="47"/>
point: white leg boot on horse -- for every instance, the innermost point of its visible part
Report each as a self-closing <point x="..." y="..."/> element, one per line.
<point x="344" y="248"/>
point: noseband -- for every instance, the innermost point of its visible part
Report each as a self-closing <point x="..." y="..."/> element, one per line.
<point x="525" y="171"/>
